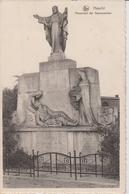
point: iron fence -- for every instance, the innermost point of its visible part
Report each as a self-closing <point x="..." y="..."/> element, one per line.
<point x="54" y="162"/>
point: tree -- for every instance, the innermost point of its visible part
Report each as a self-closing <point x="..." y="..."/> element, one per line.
<point x="110" y="145"/>
<point x="9" y="106"/>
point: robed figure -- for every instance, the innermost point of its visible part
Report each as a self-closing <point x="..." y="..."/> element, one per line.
<point x="55" y="28"/>
<point x="80" y="100"/>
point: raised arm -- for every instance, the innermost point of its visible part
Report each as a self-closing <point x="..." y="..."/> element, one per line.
<point x="42" y="20"/>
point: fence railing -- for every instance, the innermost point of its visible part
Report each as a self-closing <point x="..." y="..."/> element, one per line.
<point x="54" y="162"/>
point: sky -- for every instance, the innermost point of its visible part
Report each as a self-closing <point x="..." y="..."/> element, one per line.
<point x="93" y="40"/>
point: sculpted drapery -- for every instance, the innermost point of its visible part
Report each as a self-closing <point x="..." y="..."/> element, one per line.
<point x="80" y="99"/>
<point x="55" y="28"/>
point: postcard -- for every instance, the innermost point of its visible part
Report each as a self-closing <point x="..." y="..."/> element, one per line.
<point x="63" y="96"/>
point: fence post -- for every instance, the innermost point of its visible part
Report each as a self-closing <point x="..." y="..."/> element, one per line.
<point x="51" y="163"/>
<point x="70" y="164"/>
<point x="37" y="164"/>
<point x="56" y="162"/>
<point x="75" y="165"/>
<point x="102" y="165"/>
<point x="19" y="170"/>
<point x="8" y="163"/>
<point x="19" y="164"/>
<point x="80" y="164"/>
<point x="33" y="163"/>
<point x="95" y="165"/>
<point x="30" y="166"/>
<point x="5" y="165"/>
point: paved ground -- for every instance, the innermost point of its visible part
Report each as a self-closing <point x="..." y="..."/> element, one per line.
<point x="57" y="181"/>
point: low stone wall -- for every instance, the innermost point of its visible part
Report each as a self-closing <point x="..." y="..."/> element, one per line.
<point x="64" y="140"/>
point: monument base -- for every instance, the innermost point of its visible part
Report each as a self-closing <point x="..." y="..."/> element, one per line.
<point x="83" y="139"/>
<point x="56" y="56"/>
<point x="57" y="65"/>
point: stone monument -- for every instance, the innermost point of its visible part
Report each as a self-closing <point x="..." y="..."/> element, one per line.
<point x="59" y="108"/>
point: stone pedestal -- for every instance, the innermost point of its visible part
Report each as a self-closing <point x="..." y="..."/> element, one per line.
<point x="54" y="81"/>
<point x="63" y="140"/>
<point x="56" y="56"/>
<point x="57" y="65"/>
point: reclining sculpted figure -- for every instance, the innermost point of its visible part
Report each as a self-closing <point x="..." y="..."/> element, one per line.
<point x="46" y="117"/>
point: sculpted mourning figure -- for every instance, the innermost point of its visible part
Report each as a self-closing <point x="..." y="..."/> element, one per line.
<point x="46" y="117"/>
<point x="55" y="28"/>
<point x="86" y="112"/>
<point x="80" y="100"/>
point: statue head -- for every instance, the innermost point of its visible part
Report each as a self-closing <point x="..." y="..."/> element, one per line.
<point x="35" y="101"/>
<point x="54" y="9"/>
<point x="83" y="75"/>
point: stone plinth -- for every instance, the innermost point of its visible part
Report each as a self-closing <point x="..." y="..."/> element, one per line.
<point x="54" y="81"/>
<point x="56" y="57"/>
<point x="57" y="65"/>
<point x="82" y="139"/>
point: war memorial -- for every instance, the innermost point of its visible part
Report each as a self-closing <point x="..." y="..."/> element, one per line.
<point x="60" y="108"/>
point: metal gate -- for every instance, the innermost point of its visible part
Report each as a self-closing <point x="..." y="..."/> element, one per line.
<point x="54" y="162"/>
